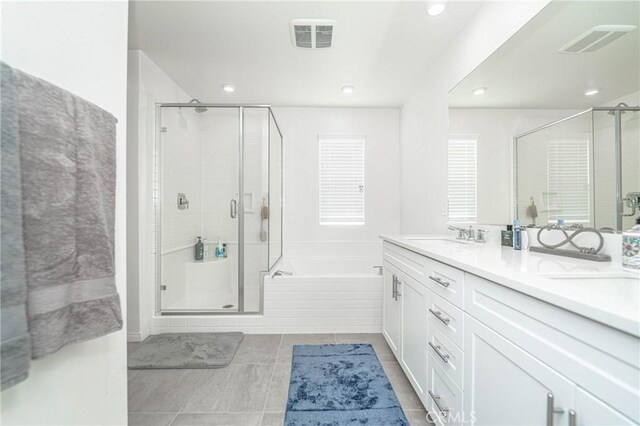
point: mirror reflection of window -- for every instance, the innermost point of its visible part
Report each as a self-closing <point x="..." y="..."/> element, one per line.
<point x="462" y="180"/>
<point x="568" y="187"/>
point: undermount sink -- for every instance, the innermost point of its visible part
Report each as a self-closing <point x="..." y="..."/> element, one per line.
<point x="443" y="240"/>
<point x="599" y="278"/>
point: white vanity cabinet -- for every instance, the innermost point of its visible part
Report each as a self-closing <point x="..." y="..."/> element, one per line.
<point x="479" y="352"/>
<point x="507" y="386"/>
<point x="413" y="355"/>
<point x="391" y="311"/>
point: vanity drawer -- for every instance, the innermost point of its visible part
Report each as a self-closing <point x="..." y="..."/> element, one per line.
<point x="446" y="318"/>
<point x="407" y="261"/>
<point x="445" y="281"/>
<point x="444" y="398"/>
<point x="447" y="355"/>
<point x="598" y="358"/>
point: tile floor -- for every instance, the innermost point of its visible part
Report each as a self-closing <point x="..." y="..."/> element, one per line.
<point x="252" y="390"/>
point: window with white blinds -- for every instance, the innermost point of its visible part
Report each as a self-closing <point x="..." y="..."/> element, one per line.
<point x="568" y="180"/>
<point x="341" y="180"/>
<point x="462" y="180"/>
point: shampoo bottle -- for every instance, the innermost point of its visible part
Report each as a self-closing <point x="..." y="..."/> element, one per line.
<point x="199" y="255"/>
<point x="631" y="248"/>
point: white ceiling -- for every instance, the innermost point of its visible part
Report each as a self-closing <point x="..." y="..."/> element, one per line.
<point x="528" y="72"/>
<point x="382" y="48"/>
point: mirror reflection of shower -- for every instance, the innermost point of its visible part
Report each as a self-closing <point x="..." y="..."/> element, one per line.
<point x="590" y="165"/>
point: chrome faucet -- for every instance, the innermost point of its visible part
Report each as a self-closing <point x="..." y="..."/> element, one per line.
<point x="462" y="232"/>
<point x="471" y="234"/>
<point x="480" y="236"/>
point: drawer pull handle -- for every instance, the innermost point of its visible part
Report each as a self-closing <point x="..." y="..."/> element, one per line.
<point x="439" y="281"/>
<point x="436" y="400"/>
<point x="438" y="315"/>
<point x="443" y="356"/>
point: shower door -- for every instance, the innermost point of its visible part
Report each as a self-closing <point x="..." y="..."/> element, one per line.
<point x="197" y="178"/>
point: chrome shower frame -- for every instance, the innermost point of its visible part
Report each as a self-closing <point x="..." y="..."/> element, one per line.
<point x="617" y="112"/>
<point x="156" y="188"/>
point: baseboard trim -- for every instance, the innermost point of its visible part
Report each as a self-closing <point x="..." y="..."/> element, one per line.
<point x="134" y="337"/>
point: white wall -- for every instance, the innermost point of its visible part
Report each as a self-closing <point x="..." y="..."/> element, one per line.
<point x="81" y="47"/>
<point x="424" y="115"/>
<point x="303" y="233"/>
<point x="495" y="129"/>
<point x="147" y="84"/>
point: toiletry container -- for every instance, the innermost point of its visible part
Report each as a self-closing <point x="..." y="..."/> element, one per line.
<point x="631" y="248"/>
<point x="219" y="249"/>
<point x="506" y="237"/>
<point x="524" y="238"/>
<point x="517" y="235"/>
<point x="199" y="255"/>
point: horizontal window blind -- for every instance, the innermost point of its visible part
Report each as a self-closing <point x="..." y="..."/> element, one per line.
<point x="462" y="180"/>
<point x="568" y="185"/>
<point x="342" y="180"/>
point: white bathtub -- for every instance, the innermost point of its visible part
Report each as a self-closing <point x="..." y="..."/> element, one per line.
<point x="329" y="267"/>
<point x="324" y="295"/>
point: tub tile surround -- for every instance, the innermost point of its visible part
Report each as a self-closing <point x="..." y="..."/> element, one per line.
<point x="252" y="390"/>
<point x="544" y="277"/>
<point x="344" y="303"/>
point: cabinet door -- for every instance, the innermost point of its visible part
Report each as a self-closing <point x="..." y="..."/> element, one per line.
<point x="504" y="385"/>
<point x="590" y="411"/>
<point x="391" y="310"/>
<point x="413" y="297"/>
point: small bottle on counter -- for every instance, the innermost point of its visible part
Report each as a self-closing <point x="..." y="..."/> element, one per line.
<point x="631" y="248"/>
<point x="517" y="235"/>
<point x="506" y="237"/>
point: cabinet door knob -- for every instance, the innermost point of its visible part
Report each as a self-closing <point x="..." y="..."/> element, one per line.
<point x="438" y="315"/>
<point x="551" y="409"/>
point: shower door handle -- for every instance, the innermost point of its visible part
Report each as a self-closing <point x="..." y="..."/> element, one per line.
<point x="233" y="209"/>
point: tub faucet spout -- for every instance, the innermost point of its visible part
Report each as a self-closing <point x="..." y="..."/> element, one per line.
<point x="279" y="273"/>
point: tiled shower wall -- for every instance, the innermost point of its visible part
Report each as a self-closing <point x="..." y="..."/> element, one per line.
<point x="181" y="172"/>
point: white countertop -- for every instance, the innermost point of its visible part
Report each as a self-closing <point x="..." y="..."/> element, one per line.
<point x="601" y="291"/>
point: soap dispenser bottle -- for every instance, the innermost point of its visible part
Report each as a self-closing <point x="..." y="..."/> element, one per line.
<point x="631" y="248"/>
<point x="199" y="249"/>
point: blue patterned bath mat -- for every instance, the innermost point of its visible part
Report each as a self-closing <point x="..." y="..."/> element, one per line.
<point x="340" y="385"/>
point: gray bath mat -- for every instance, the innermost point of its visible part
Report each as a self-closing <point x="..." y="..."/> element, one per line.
<point x="185" y="350"/>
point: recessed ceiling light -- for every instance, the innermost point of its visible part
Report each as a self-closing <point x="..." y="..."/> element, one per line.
<point x="435" y="8"/>
<point x="592" y="92"/>
<point x="479" y="91"/>
<point x="228" y="88"/>
<point x="347" y="90"/>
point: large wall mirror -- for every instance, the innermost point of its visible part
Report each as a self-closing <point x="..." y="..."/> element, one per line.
<point x="547" y="128"/>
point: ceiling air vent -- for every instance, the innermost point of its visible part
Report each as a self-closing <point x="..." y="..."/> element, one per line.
<point x="596" y="38"/>
<point x="312" y="33"/>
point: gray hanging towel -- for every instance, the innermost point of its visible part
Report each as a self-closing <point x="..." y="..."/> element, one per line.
<point x="15" y="347"/>
<point x="67" y="155"/>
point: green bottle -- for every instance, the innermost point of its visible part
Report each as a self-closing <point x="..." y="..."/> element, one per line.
<point x="199" y="249"/>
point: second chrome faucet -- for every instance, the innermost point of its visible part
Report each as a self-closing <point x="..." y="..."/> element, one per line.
<point x="469" y="234"/>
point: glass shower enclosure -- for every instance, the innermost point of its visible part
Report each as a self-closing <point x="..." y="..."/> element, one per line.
<point x="584" y="169"/>
<point x="217" y="181"/>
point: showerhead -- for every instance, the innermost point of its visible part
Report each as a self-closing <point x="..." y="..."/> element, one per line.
<point x="198" y="109"/>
